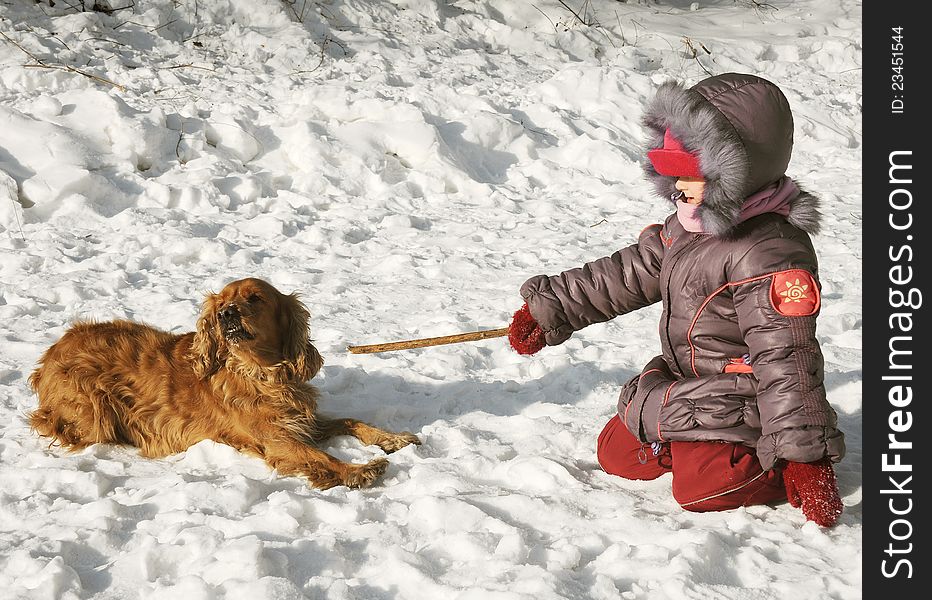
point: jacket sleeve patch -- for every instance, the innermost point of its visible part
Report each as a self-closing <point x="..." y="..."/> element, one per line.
<point x="795" y="293"/>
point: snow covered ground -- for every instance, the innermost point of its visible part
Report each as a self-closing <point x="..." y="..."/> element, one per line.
<point x="405" y="165"/>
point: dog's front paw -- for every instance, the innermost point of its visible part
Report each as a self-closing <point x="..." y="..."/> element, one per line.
<point x="397" y="441"/>
<point x="364" y="475"/>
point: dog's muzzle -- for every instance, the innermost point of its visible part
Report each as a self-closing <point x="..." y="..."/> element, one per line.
<point x="231" y="323"/>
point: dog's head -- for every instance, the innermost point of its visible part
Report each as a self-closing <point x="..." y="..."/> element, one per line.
<point x="252" y="328"/>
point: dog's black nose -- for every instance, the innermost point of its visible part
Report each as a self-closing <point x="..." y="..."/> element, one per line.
<point x="228" y="312"/>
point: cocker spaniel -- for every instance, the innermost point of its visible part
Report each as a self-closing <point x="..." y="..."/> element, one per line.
<point x="240" y="380"/>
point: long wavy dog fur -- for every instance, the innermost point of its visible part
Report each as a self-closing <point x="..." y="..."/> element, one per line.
<point x="240" y="379"/>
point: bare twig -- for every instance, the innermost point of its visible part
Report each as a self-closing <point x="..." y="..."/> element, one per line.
<point x="51" y="35"/>
<point x="585" y="20"/>
<point x="624" y="42"/>
<point x="330" y="40"/>
<point x="323" y="47"/>
<point x="759" y="5"/>
<point x="15" y="43"/>
<point x="575" y="14"/>
<point x="180" y="137"/>
<point x="637" y="34"/>
<point x="554" y="25"/>
<point x="103" y="39"/>
<point x="434" y="341"/>
<point x="16" y="216"/>
<point x="695" y="55"/>
<point x="41" y="64"/>
<point x="185" y="66"/>
<point x="73" y="7"/>
<point x="304" y="9"/>
<point x="109" y="10"/>
<point x="91" y="76"/>
<point x="165" y="24"/>
<point x="149" y="27"/>
<point x="689" y="46"/>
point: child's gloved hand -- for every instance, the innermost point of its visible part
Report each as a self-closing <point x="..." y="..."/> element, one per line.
<point x="524" y="334"/>
<point x="813" y="488"/>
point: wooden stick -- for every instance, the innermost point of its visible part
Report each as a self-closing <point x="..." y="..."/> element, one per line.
<point x="434" y="341"/>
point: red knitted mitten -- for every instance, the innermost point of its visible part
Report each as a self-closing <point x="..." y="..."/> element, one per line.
<point x="524" y="334"/>
<point x="813" y="488"/>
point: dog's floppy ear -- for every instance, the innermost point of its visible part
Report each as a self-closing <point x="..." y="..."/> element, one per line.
<point x="299" y="357"/>
<point x="208" y="351"/>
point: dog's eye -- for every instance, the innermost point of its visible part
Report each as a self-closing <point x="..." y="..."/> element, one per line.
<point x="254" y="298"/>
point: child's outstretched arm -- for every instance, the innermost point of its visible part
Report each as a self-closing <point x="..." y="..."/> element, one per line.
<point x="598" y="291"/>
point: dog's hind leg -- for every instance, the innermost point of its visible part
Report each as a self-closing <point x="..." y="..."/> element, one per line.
<point x="77" y="418"/>
<point x="367" y="434"/>
<point x="50" y="423"/>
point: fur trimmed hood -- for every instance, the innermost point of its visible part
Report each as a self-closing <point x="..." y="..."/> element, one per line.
<point x="741" y="128"/>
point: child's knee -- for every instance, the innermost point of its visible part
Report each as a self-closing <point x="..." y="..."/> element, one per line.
<point x="714" y="476"/>
<point x="620" y="453"/>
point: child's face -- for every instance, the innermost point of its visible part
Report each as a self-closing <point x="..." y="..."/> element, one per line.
<point x="692" y="187"/>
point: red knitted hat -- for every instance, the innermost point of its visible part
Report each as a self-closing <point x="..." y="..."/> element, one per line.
<point x="673" y="160"/>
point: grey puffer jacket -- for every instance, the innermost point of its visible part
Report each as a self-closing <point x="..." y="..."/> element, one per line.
<point x="741" y="362"/>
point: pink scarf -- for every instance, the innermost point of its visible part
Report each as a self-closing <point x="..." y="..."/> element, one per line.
<point x="775" y="198"/>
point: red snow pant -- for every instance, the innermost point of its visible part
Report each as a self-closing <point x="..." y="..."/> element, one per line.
<point x="706" y="475"/>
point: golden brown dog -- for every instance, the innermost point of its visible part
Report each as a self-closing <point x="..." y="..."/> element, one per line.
<point x="240" y="380"/>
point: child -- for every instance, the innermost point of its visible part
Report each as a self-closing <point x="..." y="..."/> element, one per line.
<point x="735" y="406"/>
